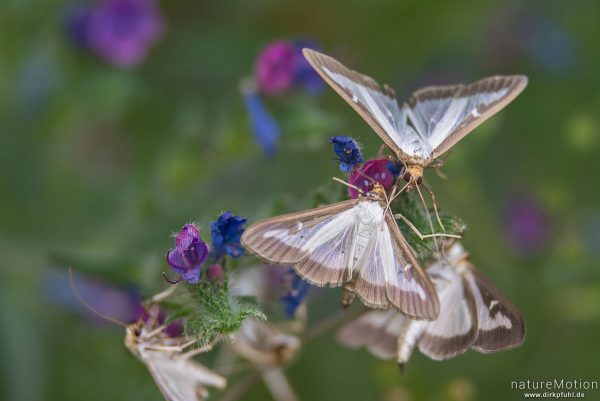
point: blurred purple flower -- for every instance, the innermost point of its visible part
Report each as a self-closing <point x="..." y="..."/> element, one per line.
<point x="518" y="32"/>
<point x="296" y="290"/>
<point x="189" y="254"/>
<point x="347" y="151"/>
<point x="225" y="235"/>
<point x="265" y="128"/>
<point x="275" y="68"/>
<point x="304" y="74"/>
<point x="383" y="171"/>
<point x="215" y="272"/>
<point x="281" y="65"/>
<point x="77" y="22"/>
<point x="119" y="31"/>
<point x="527" y="225"/>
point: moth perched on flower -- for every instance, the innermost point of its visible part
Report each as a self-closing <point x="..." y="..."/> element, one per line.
<point x="473" y="314"/>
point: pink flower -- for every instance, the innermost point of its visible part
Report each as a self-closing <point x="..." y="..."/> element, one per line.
<point x="275" y="68"/>
<point x="382" y="171"/>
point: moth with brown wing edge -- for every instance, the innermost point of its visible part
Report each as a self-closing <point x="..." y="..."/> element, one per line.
<point x="355" y="243"/>
<point x="177" y="375"/>
<point x="432" y="121"/>
<point x="473" y="314"/>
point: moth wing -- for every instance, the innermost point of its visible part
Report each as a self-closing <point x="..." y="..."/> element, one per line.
<point x="315" y="242"/>
<point x="501" y="325"/>
<point x="408" y="287"/>
<point x="375" y="330"/>
<point x="443" y="115"/>
<point x="455" y="330"/>
<point x="377" y="107"/>
<point x="180" y="379"/>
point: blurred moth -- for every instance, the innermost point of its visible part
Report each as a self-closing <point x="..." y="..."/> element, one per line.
<point x="268" y="346"/>
<point x="355" y="243"/>
<point x="473" y="314"/>
<point x="178" y="376"/>
<point x="433" y="120"/>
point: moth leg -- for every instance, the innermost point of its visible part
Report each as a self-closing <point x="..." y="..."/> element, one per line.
<point x="435" y="209"/>
<point x="161" y="296"/>
<point x="381" y="150"/>
<point x="200" y="350"/>
<point x="418" y="233"/>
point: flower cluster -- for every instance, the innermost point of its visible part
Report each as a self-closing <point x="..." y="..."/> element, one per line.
<point x="279" y="68"/>
<point x="191" y="252"/>
<point x="119" y="31"/>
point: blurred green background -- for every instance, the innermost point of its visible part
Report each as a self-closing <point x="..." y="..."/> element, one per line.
<point x="99" y="164"/>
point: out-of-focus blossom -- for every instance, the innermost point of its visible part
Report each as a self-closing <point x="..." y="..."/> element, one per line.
<point x="275" y="68"/>
<point x="382" y="171"/>
<point x="281" y="66"/>
<point x="225" y="234"/>
<point x="189" y="254"/>
<point x="304" y="74"/>
<point x="296" y="291"/>
<point x="527" y="225"/>
<point x="265" y="128"/>
<point x="518" y="32"/>
<point x="119" y="31"/>
<point x="348" y="152"/>
<point x="215" y="272"/>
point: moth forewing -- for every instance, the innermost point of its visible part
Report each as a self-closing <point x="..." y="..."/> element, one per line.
<point x="501" y="325"/>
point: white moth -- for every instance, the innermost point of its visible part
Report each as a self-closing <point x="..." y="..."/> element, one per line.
<point x="432" y="121"/>
<point x="178" y="376"/>
<point x="355" y="243"/>
<point x="473" y="314"/>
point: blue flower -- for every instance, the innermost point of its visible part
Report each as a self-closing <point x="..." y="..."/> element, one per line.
<point x="189" y="254"/>
<point x="296" y="292"/>
<point x="265" y="128"/>
<point x="225" y="234"/>
<point x="347" y="151"/>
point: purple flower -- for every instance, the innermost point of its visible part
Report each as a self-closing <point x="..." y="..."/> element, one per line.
<point x="347" y="151"/>
<point x="304" y="74"/>
<point x="296" y="291"/>
<point x="225" y="234"/>
<point x="119" y="31"/>
<point x="265" y="128"/>
<point x="275" y="68"/>
<point x="527" y="225"/>
<point x="383" y="171"/>
<point x="189" y="254"/>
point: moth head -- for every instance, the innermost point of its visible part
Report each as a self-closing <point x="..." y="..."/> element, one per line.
<point x="413" y="174"/>
<point x="378" y="192"/>
<point x="132" y="334"/>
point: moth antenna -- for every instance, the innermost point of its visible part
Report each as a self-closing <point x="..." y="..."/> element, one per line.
<point x="362" y="174"/>
<point x="90" y="307"/>
<point x="169" y="280"/>
<point x="360" y="191"/>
